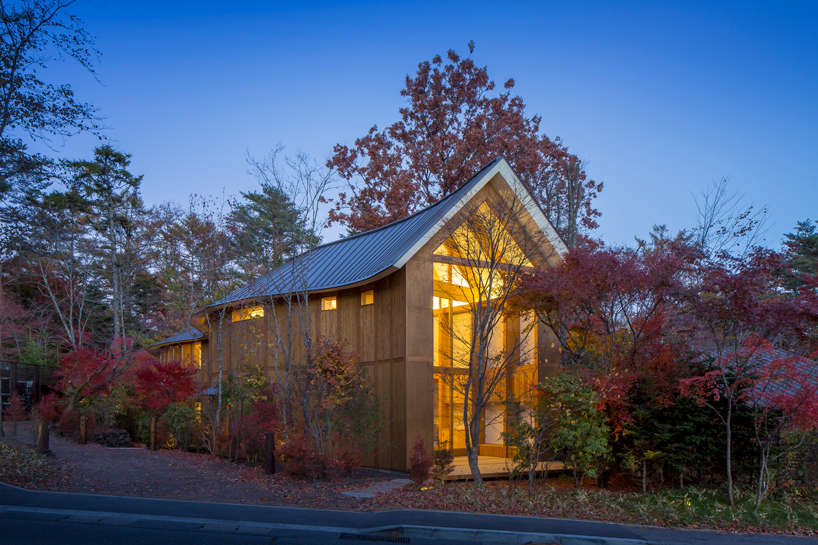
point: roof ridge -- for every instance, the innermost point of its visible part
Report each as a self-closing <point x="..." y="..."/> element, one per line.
<point x="413" y="214"/>
<point x="405" y="236"/>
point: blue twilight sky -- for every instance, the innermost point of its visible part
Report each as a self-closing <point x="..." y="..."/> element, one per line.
<point x="659" y="98"/>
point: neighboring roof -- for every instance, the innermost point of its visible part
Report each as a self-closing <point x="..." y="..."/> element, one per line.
<point x="361" y="257"/>
<point x="806" y="372"/>
<point x="192" y="334"/>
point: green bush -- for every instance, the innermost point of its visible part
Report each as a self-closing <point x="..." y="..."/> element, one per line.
<point x="580" y="433"/>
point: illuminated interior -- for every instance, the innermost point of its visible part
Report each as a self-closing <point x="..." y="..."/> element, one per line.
<point x="329" y="303"/>
<point x="248" y="313"/>
<point x="367" y="298"/>
<point x="190" y="354"/>
<point x="459" y="293"/>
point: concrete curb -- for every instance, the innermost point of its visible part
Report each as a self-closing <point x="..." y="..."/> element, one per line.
<point x="408" y="530"/>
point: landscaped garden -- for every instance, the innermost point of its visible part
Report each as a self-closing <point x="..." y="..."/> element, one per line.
<point x="172" y="474"/>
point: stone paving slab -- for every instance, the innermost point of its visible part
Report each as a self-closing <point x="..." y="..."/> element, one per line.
<point x="378" y="488"/>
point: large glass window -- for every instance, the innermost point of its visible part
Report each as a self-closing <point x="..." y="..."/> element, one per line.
<point x="469" y="275"/>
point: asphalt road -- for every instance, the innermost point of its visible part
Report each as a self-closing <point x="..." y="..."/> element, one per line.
<point x="20" y="529"/>
<point x="28" y="518"/>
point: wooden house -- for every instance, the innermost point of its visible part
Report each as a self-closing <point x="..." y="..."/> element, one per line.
<point x="188" y="347"/>
<point x="399" y="296"/>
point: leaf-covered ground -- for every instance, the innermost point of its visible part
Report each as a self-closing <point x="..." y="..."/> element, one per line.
<point x="93" y="469"/>
<point x="20" y="465"/>
<point x="691" y="508"/>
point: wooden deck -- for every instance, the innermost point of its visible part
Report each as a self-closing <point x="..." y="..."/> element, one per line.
<point x="492" y="467"/>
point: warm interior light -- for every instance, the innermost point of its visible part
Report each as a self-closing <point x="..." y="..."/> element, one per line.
<point x="242" y="314"/>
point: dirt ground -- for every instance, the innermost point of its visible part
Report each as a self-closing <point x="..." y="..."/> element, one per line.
<point x="171" y="474"/>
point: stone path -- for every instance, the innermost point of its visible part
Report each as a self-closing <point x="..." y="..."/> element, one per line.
<point x="377" y="488"/>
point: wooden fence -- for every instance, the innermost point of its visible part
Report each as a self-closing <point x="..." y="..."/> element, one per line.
<point x="30" y="382"/>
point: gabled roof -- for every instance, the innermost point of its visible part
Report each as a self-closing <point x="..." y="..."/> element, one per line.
<point x="192" y="334"/>
<point x="359" y="258"/>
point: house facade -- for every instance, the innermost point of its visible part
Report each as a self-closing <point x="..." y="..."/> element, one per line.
<point x="410" y="298"/>
<point x="188" y="347"/>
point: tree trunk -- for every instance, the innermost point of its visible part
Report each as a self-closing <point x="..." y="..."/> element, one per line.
<point x="83" y="430"/>
<point x="11" y="385"/>
<point x="116" y="303"/>
<point x="472" y="433"/>
<point x="152" y="433"/>
<point x="644" y="475"/>
<point x="763" y="477"/>
<point x="42" y="438"/>
<point x="269" y="453"/>
<point x="728" y="424"/>
<point x="532" y="474"/>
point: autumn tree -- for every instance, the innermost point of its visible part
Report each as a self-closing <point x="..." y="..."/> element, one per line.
<point x="57" y="253"/>
<point x="112" y="192"/>
<point x="286" y="294"/>
<point x="726" y="224"/>
<point x="16" y="411"/>
<point x="33" y="34"/>
<point x="784" y="399"/>
<point x="454" y="123"/>
<point x="86" y="372"/>
<point x="801" y="250"/>
<point x="738" y="303"/>
<point x="607" y="305"/>
<point x="160" y="384"/>
<point x="208" y="253"/>
<point x="267" y="224"/>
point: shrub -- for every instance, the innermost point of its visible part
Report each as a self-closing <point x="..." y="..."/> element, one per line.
<point x="581" y="431"/>
<point x="181" y="421"/>
<point x="303" y="460"/>
<point x="420" y="463"/>
<point x="16" y="411"/>
<point x="346" y="462"/>
<point x="443" y="463"/>
<point x="47" y="410"/>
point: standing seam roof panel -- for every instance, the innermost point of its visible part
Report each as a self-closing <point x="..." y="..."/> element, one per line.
<point x="357" y="258"/>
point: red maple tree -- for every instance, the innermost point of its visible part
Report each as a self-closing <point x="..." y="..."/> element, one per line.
<point x="453" y="125"/>
<point x="159" y="384"/>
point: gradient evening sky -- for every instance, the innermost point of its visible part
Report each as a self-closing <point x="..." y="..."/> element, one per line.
<point x="660" y="99"/>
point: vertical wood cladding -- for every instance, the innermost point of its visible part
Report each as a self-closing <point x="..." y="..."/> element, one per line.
<point x="377" y="332"/>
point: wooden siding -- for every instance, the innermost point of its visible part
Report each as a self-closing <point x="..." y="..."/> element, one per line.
<point x="376" y="332"/>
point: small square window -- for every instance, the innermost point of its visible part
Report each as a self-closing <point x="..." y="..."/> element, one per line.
<point x="367" y="298"/>
<point x="329" y="303"/>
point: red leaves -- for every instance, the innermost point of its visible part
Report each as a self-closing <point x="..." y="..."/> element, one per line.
<point x="47" y="409"/>
<point x="16" y="410"/>
<point x="158" y="384"/>
<point x="420" y="463"/>
<point x="455" y="123"/>
<point x="84" y="372"/>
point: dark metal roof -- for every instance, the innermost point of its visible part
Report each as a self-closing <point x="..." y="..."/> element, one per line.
<point x="192" y="334"/>
<point x="356" y="258"/>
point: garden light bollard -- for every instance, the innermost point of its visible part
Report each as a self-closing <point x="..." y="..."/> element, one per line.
<point x="83" y="429"/>
<point x="269" y="453"/>
<point x="42" y="438"/>
<point x="152" y="440"/>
